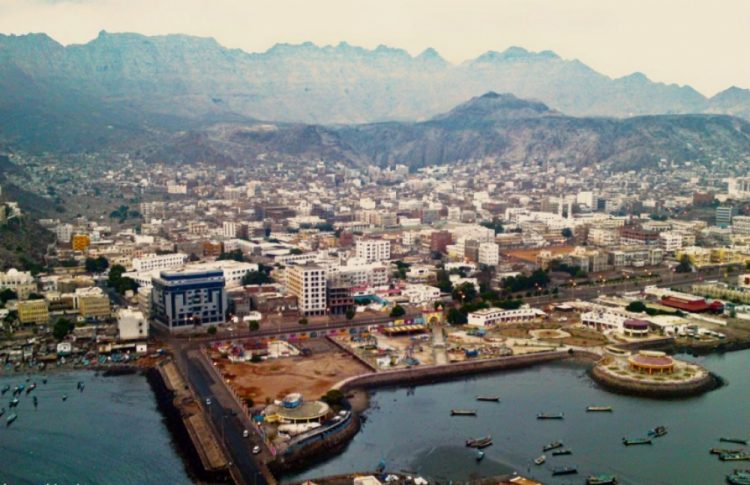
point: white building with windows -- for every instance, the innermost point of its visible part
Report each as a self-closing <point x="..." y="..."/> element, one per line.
<point x="308" y="284"/>
<point x="489" y="253"/>
<point x="131" y="324"/>
<point x="372" y="250"/>
<point x="670" y="241"/>
<point x="419" y="294"/>
<point x="21" y="282"/>
<point x="159" y="261"/>
<point x="741" y="225"/>
<point x="488" y="317"/>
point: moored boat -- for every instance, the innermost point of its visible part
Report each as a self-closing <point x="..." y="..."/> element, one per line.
<point x="463" y="412"/>
<point x="724" y="451"/>
<point x="5" y="389"/>
<point x="540" y="459"/>
<point x="550" y="416"/>
<point x="552" y="446"/>
<point x="598" y="409"/>
<point x="36" y="401"/>
<point x="479" y="442"/>
<point x="741" y="456"/>
<point x="65" y="397"/>
<point x="657" y="432"/>
<point x="2" y="411"/>
<point x="739" y="441"/>
<point x="636" y="441"/>
<point x="13" y="403"/>
<point x="562" y="451"/>
<point x="11" y="417"/>
<point x="489" y="398"/>
<point x="601" y="480"/>
<point x="739" y="477"/>
<point x="480" y="455"/>
<point x="565" y="470"/>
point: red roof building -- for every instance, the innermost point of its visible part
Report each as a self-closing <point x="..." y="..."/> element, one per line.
<point x="692" y="305"/>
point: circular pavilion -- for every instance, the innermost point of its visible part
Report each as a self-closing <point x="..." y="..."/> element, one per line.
<point x="635" y="328"/>
<point x="651" y="362"/>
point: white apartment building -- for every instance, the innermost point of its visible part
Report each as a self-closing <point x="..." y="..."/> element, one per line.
<point x="64" y="232"/>
<point x="233" y="271"/>
<point x="21" y="282"/>
<point x="229" y="229"/>
<point x="487" y="317"/>
<point x="308" y="284"/>
<point x="739" y="187"/>
<point x="489" y="253"/>
<point x="741" y="225"/>
<point x="357" y="273"/>
<point x="419" y="294"/>
<point x="670" y="241"/>
<point x="372" y="250"/>
<point x="599" y="236"/>
<point x="173" y="188"/>
<point x="159" y="262"/>
<point x="131" y="324"/>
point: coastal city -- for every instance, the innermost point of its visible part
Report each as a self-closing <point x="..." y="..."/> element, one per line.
<point x="266" y="304"/>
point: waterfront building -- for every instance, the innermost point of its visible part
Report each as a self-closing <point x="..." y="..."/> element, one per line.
<point x="308" y="284"/>
<point x="651" y="362"/>
<point x="494" y="316"/>
<point x="131" y="324"/>
<point x="186" y="298"/>
<point x="33" y="311"/>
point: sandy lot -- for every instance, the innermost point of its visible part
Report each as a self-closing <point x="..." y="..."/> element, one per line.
<point x="273" y="379"/>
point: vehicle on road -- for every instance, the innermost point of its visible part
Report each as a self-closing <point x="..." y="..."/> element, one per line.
<point x="208" y="401"/>
<point x="256" y="449"/>
<point x="245" y="433"/>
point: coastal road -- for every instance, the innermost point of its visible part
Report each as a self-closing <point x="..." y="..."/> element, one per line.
<point x="226" y="417"/>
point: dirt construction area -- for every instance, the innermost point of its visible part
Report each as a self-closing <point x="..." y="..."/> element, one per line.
<point x="312" y="376"/>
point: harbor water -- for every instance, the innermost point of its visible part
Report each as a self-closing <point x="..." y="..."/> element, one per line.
<point x="111" y="432"/>
<point x="410" y="429"/>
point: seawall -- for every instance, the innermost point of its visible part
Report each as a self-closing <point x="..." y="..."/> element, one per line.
<point x="661" y="390"/>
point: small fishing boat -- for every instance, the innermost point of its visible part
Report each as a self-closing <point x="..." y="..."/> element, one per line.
<point x="599" y="409"/>
<point x="489" y="398"/>
<point x="2" y="411"/>
<point x="657" y="432"/>
<point x="5" y="389"/>
<point x="562" y="451"/>
<point x="31" y="388"/>
<point x="540" y="459"/>
<point x="550" y="416"/>
<point x="741" y="456"/>
<point x="11" y="417"/>
<point x="44" y="380"/>
<point x="601" y="480"/>
<point x="637" y="441"/>
<point x="65" y="397"/>
<point x="463" y="412"/>
<point x="480" y="455"/>
<point x="36" y="402"/>
<point x="479" y="442"/>
<point x="724" y="451"/>
<point x="739" y="441"/>
<point x="13" y="403"/>
<point x="80" y="386"/>
<point x="739" y="477"/>
<point x="565" y="470"/>
<point x="552" y="446"/>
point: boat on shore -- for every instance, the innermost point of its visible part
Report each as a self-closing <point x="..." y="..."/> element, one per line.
<point x="657" y="432"/>
<point x="601" y="480"/>
<point x="479" y="442"/>
<point x="550" y="416"/>
<point x="741" y="456"/>
<point x="562" y="451"/>
<point x="463" y="412"/>
<point x="637" y="441"/>
<point x="539" y="460"/>
<point x="738" y="441"/>
<point x="552" y="446"/>
<point x="739" y="477"/>
<point x="598" y="409"/>
<point x="11" y="417"/>
<point x="565" y="470"/>
<point x="724" y="451"/>
<point x="488" y="398"/>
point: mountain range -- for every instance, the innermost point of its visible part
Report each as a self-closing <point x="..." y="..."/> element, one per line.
<point x="183" y="98"/>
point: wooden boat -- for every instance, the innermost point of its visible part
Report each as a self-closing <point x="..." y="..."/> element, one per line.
<point x="601" y="480"/>
<point x="739" y="441"/>
<point x="31" y="388"/>
<point x="741" y="456"/>
<point x="565" y="470"/>
<point x="13" y="403"/>
<point x="2" y="411"/>
<point x="552" y="446"/>
<point x="637" y="441"/>
<point x="599" y="409"/>
<point x="562" y="451"/>
<point x="11" y="417"/>
<point x="65" y="397"/>
<point x="480" y="455"/>
<point x="5" y="389"/>
<point x="540" y="459"/>
<point x="479" y="442"/>
<point x="739" y="477"/>
<point x="657" y="432"/>
<point x="463" y="412"/>
<point x="36" y="401"/>
<point x="489" y="398"/>
<point x="550" y="416"/>
<point x="724" y="451"/>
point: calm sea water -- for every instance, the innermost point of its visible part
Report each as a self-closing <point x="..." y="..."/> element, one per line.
<point x="111" y="432"/>
<point x="411" y="428"/>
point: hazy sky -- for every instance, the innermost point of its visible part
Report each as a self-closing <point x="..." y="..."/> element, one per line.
<point x="701" y="43"/>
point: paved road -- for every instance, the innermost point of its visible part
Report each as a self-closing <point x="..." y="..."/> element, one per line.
<point x="226" y="417"/>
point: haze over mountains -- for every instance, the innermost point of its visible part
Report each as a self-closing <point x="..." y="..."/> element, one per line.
<point x="189" y="98"/>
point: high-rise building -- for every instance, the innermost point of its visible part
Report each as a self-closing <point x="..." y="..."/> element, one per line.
<point x="372" y="250"/>
<point x="724" y="216"/>
<point x="308" y="283"/>
<point x="183" y="299"/>
<point x="489" y="253"/>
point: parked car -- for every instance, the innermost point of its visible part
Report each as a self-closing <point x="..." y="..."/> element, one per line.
<point x="245" y="433"/>
<point x="208" y="401"/>
<point x="256" y="449"/>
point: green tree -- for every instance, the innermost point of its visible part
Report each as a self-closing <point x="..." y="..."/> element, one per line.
<point x="302" y="321"/>
<point x="350" y="313"/>
<point x="234" y="255"/>
<point x="567" y="233"/>
<point x="256" y="278"/>
<point x="636" y="307"/>
<point x="96" y="265"/>
<point x="62" y="328"/>
<point x="465" y="292"/>
<point x="684" y="266"/>
<point x="334" y="397"/>
<point x="253" y="325"/>
<point x="455" y="317"/>
<point x="212" y="330"/>
<point x="7" y="294"/>
<point x="443" y="281"/>
<point x="397" y="311"/>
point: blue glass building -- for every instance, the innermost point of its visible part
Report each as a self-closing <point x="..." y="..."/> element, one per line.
<point x="184" y="299"/>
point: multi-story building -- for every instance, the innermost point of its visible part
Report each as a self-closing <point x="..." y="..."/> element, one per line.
<point x="632" y="235"/>
<point x="131" y="324"/>
<point x="159" y="262"/>
<point x="94" y="306"/>
<point x="33" y="311"/>
<point x="356" y="273"/>
<point x="372" y="250"/>
<point x="739" y="187"/>
<point x="229" y="229"/>
<point x="724" y="215"/>
<point x="187" y="298"/>
<point x="80" y="242"/>
<point x="495" y="316"/>
<point x="21" y="282"/>
<point x="439" y="240"/>
<point x="670" y="241"/>
<point x="636" y="257"/>
<point x="600" y="236"/>
<point x="233" y="271"/>
<point x="741" y="225"/>
<point x="339" y="299"/>
<point x="64" y="232"/>
<point x="489" y="253"/>
<point x="308" y="283"/>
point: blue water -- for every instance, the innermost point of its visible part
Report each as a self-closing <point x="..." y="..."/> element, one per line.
<point x="111" y="432"/>
<point x="411" y="428"/>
